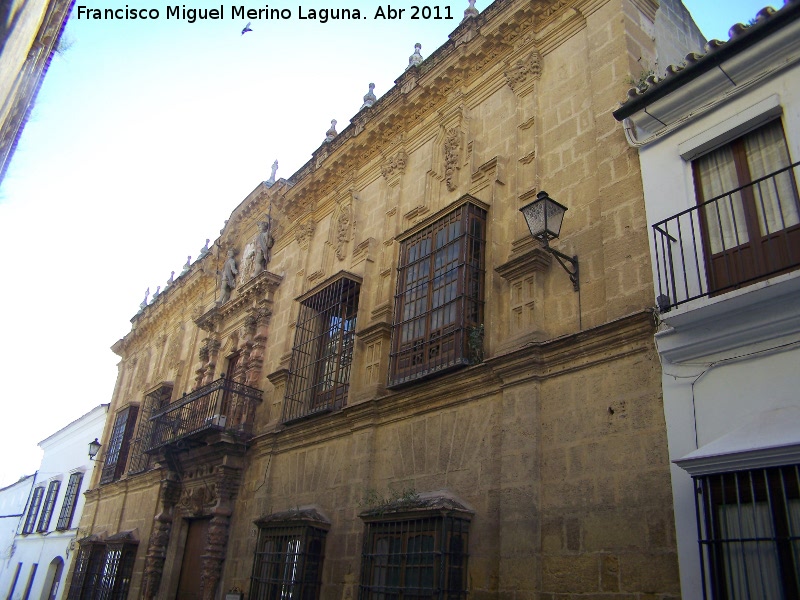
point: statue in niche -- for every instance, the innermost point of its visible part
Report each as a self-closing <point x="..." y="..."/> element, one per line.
<point x="264" y="243"/>
<point x="228" y="282"/>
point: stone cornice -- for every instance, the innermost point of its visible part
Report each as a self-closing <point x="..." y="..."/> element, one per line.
<point x="534" y="362"/>
<point x="258" y="292"/>
<point x="535" y="259"/>
<point x="607" y="342"/>
<point x="171" y="305"/>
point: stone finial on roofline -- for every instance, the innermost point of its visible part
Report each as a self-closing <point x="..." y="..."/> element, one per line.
<point x="415" y="59"/>
<point x="146" y="296"/>
<point x="471" y="12"/>
<point x="331" y="133"/>
<point x="369" y="97"/>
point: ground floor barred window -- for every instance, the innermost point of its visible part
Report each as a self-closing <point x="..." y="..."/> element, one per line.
<point x="749" y="529"/>
<point x="103" y="569"/>
<point x="413" y="551"/>
<point x="288" y="560"/>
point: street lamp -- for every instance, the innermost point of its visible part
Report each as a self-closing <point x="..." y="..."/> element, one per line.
<point x="544" y="217"/>
<point x="94" y="448"/>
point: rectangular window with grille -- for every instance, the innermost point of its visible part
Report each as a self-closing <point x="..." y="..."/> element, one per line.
<point x="49" y="505"/>
<point x="288" y="561"/>
<point x="439" y="301"/>
<point x="319" y="370"/>
<point x="154" y="401"/>
<point x="118" y="445"/>
<point x="749" y="526"/>
<point x="33" y="510"/>
<point x="70" y="502"/>
<point x="102" y="570"/>
<point x="415" y="558"/>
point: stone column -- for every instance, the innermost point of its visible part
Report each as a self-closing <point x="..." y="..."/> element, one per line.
<point x="159" y="538"/>
<point x="227" y="482"/>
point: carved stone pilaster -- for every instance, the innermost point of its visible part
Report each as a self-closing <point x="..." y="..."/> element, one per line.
<point x="159" y="537"/>
<point x="213" y="355"/>
<point x="452" y="154"/>
<point x="343" y="231"/>
<point x="260" y="318"/>
<point x="211" y="569"/>
<point x="227" y="483"/>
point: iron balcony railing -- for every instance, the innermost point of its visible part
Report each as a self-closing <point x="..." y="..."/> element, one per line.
<point x="223" y="404"/>
<point x="737" y="238"/>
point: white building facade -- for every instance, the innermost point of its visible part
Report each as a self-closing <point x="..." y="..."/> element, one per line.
<point x="45" y="531"/>
<point x="719" y="143"/>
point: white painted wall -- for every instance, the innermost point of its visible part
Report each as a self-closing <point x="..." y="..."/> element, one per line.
<point x="728" y="359"/>
<point x="65" y="452"/>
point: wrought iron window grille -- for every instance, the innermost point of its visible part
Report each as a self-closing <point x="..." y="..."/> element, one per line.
<point x="415" y="548"/>
<point x="322" y="356"/>
<point x="748" y="525"/>
<point x="290" y="551"/>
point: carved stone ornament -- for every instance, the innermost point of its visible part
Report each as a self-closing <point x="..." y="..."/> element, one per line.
<point x="248" y="265"/>
<point x="198" y="500"/>
<point x="452" y="147"/>
<point x="523" y="69"/>
<point x="343" y="232"/>
<point x="175" y="348"/>
<point x="305" y="232"/>
<point x="395" y="163"/>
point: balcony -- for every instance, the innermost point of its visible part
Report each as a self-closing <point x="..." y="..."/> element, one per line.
<point x="222" y="405"/>
<point x="735" y="239"/>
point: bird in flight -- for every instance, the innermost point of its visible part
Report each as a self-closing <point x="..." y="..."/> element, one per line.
<point x="246" y="28"/>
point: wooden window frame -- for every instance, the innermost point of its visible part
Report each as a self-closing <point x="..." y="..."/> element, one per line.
<point x="439" y="297"/>
<point x="119" y="444"/>
<point x="761" y="255"/>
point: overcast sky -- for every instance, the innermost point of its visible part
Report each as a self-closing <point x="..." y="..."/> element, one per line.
<point x="145" y="136"/>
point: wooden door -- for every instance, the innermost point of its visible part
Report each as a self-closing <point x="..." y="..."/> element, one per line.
<point x="191" y="565"/>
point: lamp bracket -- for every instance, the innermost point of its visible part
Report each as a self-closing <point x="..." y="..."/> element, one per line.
<point x="563" y="259"/>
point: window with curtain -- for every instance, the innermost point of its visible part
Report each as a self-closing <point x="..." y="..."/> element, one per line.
<point x="439" y="301"/>
<point x="749" y="524"/>
<point x="319" y="370"/>
<point x="750" y="212"/>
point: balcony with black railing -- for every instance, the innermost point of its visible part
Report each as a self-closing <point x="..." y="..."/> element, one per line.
<point x="733" y="240"/>
<point x="222" y="405"/>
